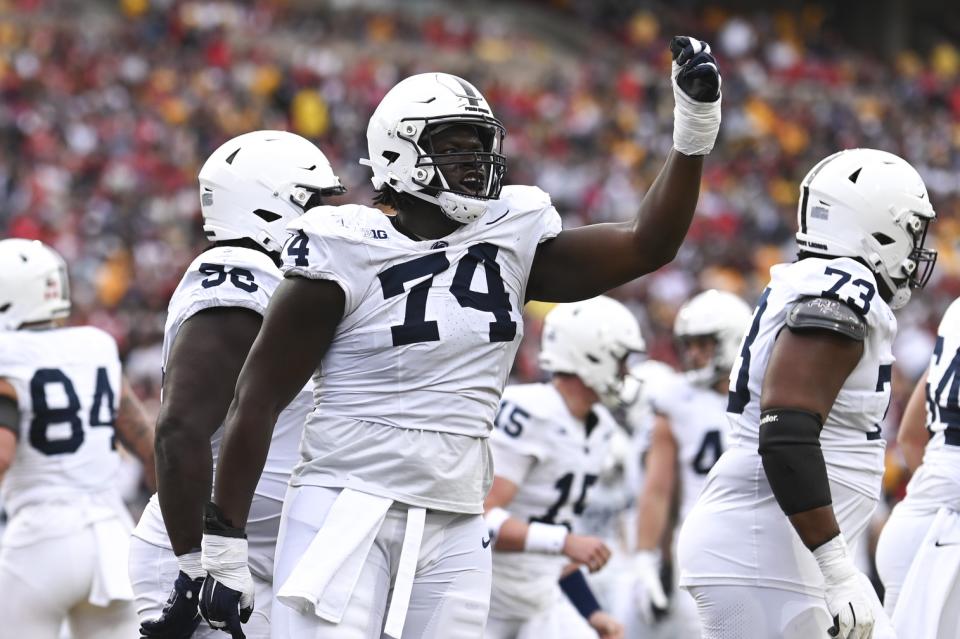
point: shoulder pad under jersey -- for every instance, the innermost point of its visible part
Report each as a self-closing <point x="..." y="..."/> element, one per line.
<point x="820" y="313"/>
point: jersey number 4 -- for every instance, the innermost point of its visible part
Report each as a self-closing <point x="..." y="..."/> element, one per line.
<point x="45" y="416"/>
<point x="415" y="327"/>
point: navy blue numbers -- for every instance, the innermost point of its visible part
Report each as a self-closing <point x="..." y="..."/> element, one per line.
<point x="495" y="300"/>
<point x="416" y="328"/>
<point x="865" y="290"/>
<point x="298" y="249"/>
<point x="217" y="274"/>
<point x="53" y="382"/>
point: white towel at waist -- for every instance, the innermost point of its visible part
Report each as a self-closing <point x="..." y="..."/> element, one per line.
<point x="325" y="576"/>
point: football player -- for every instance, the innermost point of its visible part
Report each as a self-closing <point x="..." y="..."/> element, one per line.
<point x="250" y="187"/>
<point x="914" y="539"/>
<point x="410" y="324"/>
<point x="611" y="513"/>
<point x="807" y="394"/>
<point x="687" y="437"/>
<point x="549" y="446"/>
<point x="63" y="405"/>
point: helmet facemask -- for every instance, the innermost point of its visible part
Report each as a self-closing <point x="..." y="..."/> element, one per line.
<point x="913" y="272"/>
<point x="487" y="164"/>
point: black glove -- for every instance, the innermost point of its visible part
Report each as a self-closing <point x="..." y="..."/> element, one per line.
<point x="179" y="617"/>
<point x="699" y="75"/>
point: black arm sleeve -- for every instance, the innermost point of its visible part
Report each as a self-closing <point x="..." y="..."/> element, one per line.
<point x="792" y="459"/>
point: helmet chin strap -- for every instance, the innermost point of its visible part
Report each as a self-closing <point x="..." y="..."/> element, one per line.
<point x="456" y="207"/>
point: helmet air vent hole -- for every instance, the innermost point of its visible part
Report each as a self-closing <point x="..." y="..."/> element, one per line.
<point x="390" y="156"/>
<point x="232" y="155"/>
<point x="267" y="216"/>
<point x="855" y="175"/>
<point x="5" y="308"/>
<point x="593" y="358"/>
<point x="883" y="239"/>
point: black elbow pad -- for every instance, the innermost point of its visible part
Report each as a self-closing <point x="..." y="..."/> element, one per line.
<point x="792" y="459"/>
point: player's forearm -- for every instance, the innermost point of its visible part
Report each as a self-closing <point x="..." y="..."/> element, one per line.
<point x="816" y="527"/>
<point x="184" y="476"/>
<point x="652" y="514"/>
<point x="246" y="441"/>
<point x="913" y="435"/>
<point x="512" y="536"/>
<point x="667" y="210"/>
<point x="136" y="432"/>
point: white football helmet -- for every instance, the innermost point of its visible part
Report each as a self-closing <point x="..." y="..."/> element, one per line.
<point x="720" y="315"/>
<point x="591" y="339"/>
<point x="33" y="284"/>
<point x="401" y="153"/>
<point x="870" y="205"/>
<point x="255" y="183"/>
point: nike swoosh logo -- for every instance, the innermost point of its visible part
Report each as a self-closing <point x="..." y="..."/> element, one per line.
<point x="485" y="542"/>
<point x="952" y="543"/>
<point x="499" y="218"/>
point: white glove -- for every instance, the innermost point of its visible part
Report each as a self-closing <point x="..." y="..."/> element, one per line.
<point x="648" y="589"/>
<point x="226" y="599"/>
<point x="847" y="591"/>
<point x="696" y="96"/>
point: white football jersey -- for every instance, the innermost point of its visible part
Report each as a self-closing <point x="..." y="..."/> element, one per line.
<point x="408" y="389"/>
<point x="934" y="483"/>
<point x="699" y="426"/>
<point x="850" y="438"/>
<point x="553" y="459"/>
<point x="223" y="277"/>
<point x="943" y="382"/>
<point x="68" y="389"/>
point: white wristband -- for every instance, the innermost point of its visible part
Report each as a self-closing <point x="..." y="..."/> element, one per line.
<point x="495" y="518"/>
<point x="834" y="560"/>
<point x="190" y="564"/>
<point x="695" y="124"/>
<point x="225" y="558"/>
<point x="545" y="538"/>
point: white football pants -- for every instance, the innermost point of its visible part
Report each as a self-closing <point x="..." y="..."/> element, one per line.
<point x="450" y="593"/>
<point x="44" y="583"/>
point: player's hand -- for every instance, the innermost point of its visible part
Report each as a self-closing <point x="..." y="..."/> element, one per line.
<point x="606" y="626"/>
<point x="180" y="616"/>
<point x="695" y="69"/>
<point x="847" y="591"/>
<point x="226" y="598"/>
<point x="696" y="96"/>
<point x="651" y="601"/>
<point x="589" y="551"/>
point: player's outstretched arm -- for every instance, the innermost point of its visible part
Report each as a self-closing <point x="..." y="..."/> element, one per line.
<point x="136" y="433"/>
<point x="803" y="378"/>
<point x="913" y="435"/>
<point x="584" y="262"/>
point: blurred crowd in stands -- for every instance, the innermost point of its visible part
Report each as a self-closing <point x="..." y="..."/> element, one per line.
<point x="108" y="109"/>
